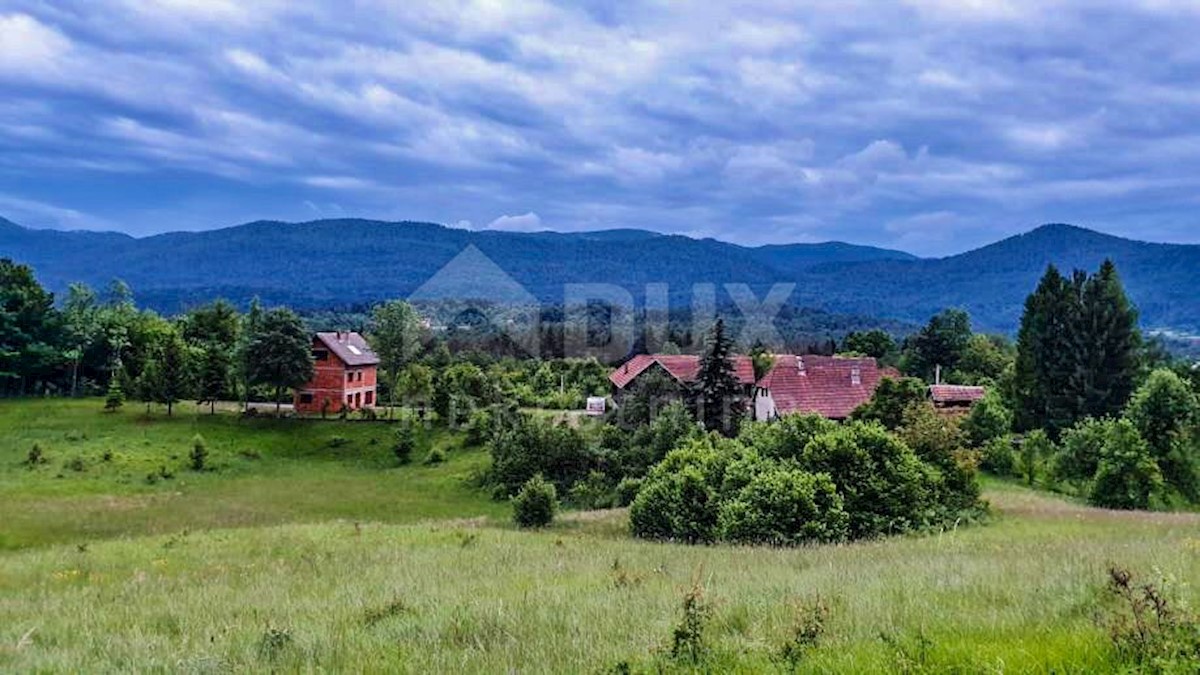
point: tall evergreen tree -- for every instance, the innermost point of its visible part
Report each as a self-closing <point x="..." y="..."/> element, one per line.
<point x="212" y="378"/>
<point x="173" y="374"/>
<point x="718" y="397"/>
<point x="250" y="326"/>
<point x="940" y="343"/>
<point x="1076" y="350"/>
<point x="279" y="352"/>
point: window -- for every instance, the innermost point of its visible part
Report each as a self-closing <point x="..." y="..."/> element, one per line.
<point x="357" y="400"/>
<point x="370" y="399"/>
<point x="360" y="376"/>
<point x="349" y="399"/>
<point x="350" y="377"/>
<point x="320" y="355"/>
<point x="306" y="397"/>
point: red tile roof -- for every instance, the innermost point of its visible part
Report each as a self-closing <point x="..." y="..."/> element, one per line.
<point x="953" y="393"/>
<point x="824" y="385"/>
<point x="682" y="367"/>
<point x="350" y="347"/>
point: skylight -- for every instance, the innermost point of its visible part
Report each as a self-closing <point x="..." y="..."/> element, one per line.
<point x="354" y="350"/>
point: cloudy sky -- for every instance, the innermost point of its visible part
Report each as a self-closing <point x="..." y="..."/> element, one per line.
<point x="928" y="125"/>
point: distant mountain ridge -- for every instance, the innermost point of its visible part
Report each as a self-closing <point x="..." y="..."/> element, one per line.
<point x="350" y="261"/>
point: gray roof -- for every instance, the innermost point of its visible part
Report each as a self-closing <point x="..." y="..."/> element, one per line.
<point x="350" y="347"/>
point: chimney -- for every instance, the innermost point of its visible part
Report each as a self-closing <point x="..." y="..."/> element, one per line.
<point x="800" y="366"/>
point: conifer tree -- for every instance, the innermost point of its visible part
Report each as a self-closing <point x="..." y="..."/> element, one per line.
<point x="718" y="396"/>
<point x="174" y="371"/>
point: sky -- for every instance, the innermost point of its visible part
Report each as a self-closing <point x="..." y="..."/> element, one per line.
<point x="932" y="126"/>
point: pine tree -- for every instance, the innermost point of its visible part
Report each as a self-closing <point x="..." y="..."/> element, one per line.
<point x="173" y="373"/>
<point x="1045" y="354"/>
<point x="115" y="397"/>
<point x="213" y="377"/>
<point x="1109" y="342"/>
<point x="718" y="397"/>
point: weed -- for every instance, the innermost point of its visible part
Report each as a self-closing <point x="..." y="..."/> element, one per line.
<point x="625" y="578"/>
<point x="435" y="456"/>
<point x="911" y="656"/>
<point x="273" y="642"/>
<point x="35" y="456"/>
<point x="687" y="640"/>
<point x="76" y="464"/>
<point x="377" y="615"/>
<point x="808" y="627"/>
<point x="465" y="539"/>
<point x="1147" y="629"/>
<point x="107" y="456"/>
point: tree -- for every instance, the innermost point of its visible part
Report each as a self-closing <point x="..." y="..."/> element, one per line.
<point x="1165" y="412"/>
<point x="28" y="327"/>
<point x="1077" y="350"/>
<point x="1045" y="356"/>
<point x="984" y="360"/>
<point x="173" y="374"/>
<point x="940" y="343"/>
<point x="1108" y="342"/>
<point x="1127" y="476"/>
<point x="875" y="343"/>
<point x="250" y="327"/>
<point x="989" y="419"/>
<point x="718" y="397"/>
<point x="81" y="328"/>
<point x="215" y="323"/>
<point x="890" y="401"/>
<point x="213" y="377"/>
<point x="396" y="338"/>
<point x="279" y="352"/>
<point x="416" y="384"/>
<point x="115" y="397"/>
<point x="535" y="504"/>
<point x="762" y="360"/>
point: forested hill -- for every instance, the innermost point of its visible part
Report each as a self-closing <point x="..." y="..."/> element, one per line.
<point x="341" y="262"/>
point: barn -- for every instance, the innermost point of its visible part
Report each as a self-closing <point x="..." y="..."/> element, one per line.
<point x="344" y="374"/>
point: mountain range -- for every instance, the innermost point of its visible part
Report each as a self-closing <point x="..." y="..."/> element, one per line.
<point x="338" y="263"/>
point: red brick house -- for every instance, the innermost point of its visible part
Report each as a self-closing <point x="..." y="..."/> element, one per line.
<point x="682" y="367"/>
<point x="344" y="374"/>
<point x="829" y="386"/>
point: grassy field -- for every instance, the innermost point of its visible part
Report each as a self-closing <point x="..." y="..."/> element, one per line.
<point x="339" y="578"/>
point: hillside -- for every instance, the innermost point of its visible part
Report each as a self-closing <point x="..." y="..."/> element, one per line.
<point x="342" y="262"/>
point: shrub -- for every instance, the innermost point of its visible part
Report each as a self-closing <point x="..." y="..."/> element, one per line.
<point x="535" y="504"/>
<point x="408" y="439"/>
<point x="114" y="398"/>
<point x="938" y="441"/>
<point x="479" y="427"/>
<point x="627" y="490"/>
<point x="594" y="492"/>
<point x="891" y="399"/>
<point x="522" y="446"/>
<point x="989" y="419"/>
<point x="368" y="414"/>
<point x="1078" y="456"/>
<point x="199" y="456"/>
<point x="435" y="456"/>
<point x="999" y="458"/>
<point x="1127" y="477"/>
<point x="782" y="507"/>
<point x="76" y="464"/>
<point x="885" y="487"/>
<point x="679" y="498"/>
<point x="786" y="437"/>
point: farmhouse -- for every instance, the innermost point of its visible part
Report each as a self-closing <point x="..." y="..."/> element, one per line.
<point x="682" y="367"/>
<point x="829" y="386"/>
<point x="344" y="374"/>
<point x="953" y="399"/>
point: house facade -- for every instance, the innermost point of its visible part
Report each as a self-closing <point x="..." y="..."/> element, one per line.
<point x="828" y="386"/>
<point x="344" y="375"/>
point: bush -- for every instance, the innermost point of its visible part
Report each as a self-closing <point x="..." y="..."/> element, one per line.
<point x="199" y="456"/>
<point x="408" y="439"/>
<point x="627" y="491"/>
<point x="891" y="399"/>
<point x="522" y="446"/>
<point x="988" y="420"/>
<point x="1036" y="447"/>
<point x="76" y="464"/>
<point x="938" y="441"/>
<point x="679" y="499"/>
<point x="1078" y="456"/>
<point x="535" y="504"/>
<point x="786" y="437"/>
<point x="479" y="427"/>
<point x="1127" y="477"/>
<point x="783" y="507"/>
<point x="594" y="492"/>
<point x="885" y="487"/>
<point x="999" y="458"/>
<point x="1165" y="412"/>
<point x="1150" y="631"/>
<point x="435" y="456"/>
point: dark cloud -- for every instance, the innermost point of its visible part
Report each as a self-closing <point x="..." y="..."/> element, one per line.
<point x="932" y="125"/>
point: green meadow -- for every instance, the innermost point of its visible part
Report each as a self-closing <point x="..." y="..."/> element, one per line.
<point x="307" y="549"/>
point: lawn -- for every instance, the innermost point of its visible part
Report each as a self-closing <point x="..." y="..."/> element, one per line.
<point x="341" y="581"/>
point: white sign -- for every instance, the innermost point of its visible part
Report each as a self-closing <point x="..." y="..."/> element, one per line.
<point x="595" y="405"/>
